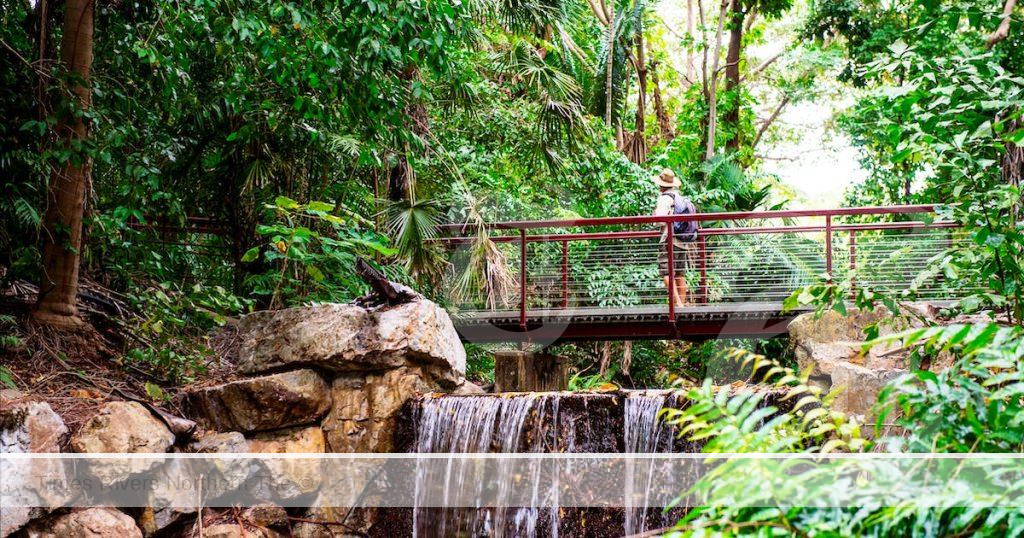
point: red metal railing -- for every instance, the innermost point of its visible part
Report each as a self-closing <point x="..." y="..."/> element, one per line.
<point x="611" y="263"/>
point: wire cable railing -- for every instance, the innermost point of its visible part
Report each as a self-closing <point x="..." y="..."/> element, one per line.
<point x="619" y="263"/>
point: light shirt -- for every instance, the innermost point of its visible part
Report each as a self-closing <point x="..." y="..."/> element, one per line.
<point x="666" y="203"/>
<point x="666" y="206"/>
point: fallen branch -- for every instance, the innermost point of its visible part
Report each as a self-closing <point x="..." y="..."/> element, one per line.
<point x="349" y="528"/>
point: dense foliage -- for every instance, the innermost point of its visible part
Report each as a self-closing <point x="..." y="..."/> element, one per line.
<point x="240" y="155"/>
<point x="252" y="150"/>
<point x="974" y="407"/>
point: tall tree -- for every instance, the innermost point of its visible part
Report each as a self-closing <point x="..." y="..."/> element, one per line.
<point x="732" y="73"/>
<point x="636" y="149"/>
<point x="742" y="14"/>
<point x="711" y="88"/>
<point x="69" y="181"/>
<point x="636" y="146"/>
<point x="691" y="66"/>
<point x="664" y="122"/>
<point x="610" y="44"/>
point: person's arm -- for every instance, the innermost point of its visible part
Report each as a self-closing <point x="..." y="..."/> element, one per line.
<point x="664" y="207"/>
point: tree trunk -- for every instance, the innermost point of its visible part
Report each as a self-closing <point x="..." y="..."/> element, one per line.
<point x="732" y="75"/>
<point x="66" y="195"/>
<point x="400" y="180"/>
<point x="664" y="122"/>
<point x="610" y="63"/>
<point x="713" y="90"/>
<point x="705" y="82"/>
<point x="402" y="176"/>
<point x="526" y="371"/>
<point x="691" y="65"/>
<point x="637" y="150"/>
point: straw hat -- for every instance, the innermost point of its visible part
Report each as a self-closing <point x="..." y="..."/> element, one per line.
<point x="667" y="178"/>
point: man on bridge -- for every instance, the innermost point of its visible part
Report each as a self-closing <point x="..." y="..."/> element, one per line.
<point x="670" y="202"/>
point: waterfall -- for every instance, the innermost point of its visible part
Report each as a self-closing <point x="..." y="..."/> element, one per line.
<point x="644" y="433"/>
<point x="536" y="423"/>
<point x="482" y="424"/>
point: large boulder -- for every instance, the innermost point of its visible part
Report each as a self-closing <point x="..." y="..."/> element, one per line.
<point x="168" y="502"/>
<point x="351" y="338"/>
<point x="860" y="386"/>
<point x="832" y="338"/>
<point x="230" y="472"/>
<point x="366" y="407"/>
<point x="122" y="428"/>
<point x="831" y="345"/>
<point x="88" y="523"/>
<point x="29" y="427"/>
<point x="292" y="477"/>
<point x="262" y="403"/>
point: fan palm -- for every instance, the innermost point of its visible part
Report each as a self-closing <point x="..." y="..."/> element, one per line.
<point x="557" y="94"/>
<point x="485" y="271"/>
<point x="412" y="225"/>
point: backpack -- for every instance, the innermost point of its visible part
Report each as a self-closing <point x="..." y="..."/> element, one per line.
<point x="684" y="230"/>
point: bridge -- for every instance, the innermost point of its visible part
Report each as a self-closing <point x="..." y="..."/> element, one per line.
<point x="600" y="278"/>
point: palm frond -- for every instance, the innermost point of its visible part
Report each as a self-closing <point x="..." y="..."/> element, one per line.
<point x="412" y="226"/>
<point x="531" y="16"/>
<point x="345" y="144"/>
<point x="483" y="272"/>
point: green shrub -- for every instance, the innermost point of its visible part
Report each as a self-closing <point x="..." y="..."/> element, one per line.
<point x="173" y="331"/>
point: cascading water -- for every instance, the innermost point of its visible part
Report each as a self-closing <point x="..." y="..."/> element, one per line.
<point x="468" y="424"/>
<point x="645" y="433"/>
<point x="537" y="423"/>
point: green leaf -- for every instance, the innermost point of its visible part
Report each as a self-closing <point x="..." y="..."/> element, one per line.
<point x="285" y="202"/>
<point x="839" y="306"/>
<point x="1016" y="137"/>
<point x="322" y="207"/>
<point x="251" y="255"/>
<point x="791" y="302"/>
<point x="155" y="392"/>
<point x="316" y="273"/>
<point x="383" y="249"/>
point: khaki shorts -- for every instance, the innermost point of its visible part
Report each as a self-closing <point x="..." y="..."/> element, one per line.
<point x="683" y="257"/>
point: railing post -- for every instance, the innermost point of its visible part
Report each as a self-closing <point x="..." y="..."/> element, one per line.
<point x="703" y="246"/>
<point x="853" y="264"/>
<point x="522" y="278"/>
<point x="565" y="274"/>
<point x="669" y="239"/>
<point x="828" y="246"/>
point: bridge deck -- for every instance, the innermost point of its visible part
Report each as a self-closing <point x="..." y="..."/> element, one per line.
<point x="726" y="320"/>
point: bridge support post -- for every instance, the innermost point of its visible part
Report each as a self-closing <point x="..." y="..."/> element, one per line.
<point x="670" y="245"/>
<point x="522" y="279"/>
<point x="565" y="274"/>
<point x="527" y="371"/>
<point x="703" y="269"/>
<point x="853" y="264"/>
<point x="828" y="247"/>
